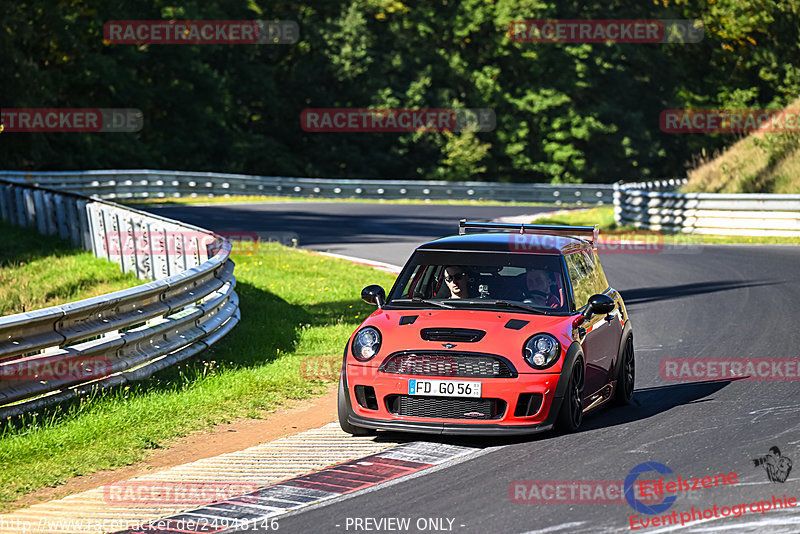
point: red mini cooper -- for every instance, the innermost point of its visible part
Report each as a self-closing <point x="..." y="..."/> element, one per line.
<point x="502" y="329"/>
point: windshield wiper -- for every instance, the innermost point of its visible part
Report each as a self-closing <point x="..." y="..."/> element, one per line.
<point x="534" y="309"/>
<point x="507" y="304"/>
<point x="417" y="300"/>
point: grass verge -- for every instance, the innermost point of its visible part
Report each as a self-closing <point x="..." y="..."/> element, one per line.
<point x="298" y="309"/>
<point x="38" y="271"/>
<point x="604" y="216"/>
<point x="757" y="163"/>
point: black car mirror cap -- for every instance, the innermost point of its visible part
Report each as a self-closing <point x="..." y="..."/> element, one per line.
<point x="599" y="304"/>
<point x="374" y="295"/>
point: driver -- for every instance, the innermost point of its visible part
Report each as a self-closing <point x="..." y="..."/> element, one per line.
<point x="541" y="288"/>
<point x="456" y="280"/>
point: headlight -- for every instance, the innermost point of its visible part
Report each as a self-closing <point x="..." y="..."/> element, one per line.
<point x="366" y="344"/>
<point x="541" y="351"/>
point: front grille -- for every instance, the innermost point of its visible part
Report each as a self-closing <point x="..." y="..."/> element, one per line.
<point x="445" y="408"/>
<point x="449" y="364"/>
<point x="455" y="335"/>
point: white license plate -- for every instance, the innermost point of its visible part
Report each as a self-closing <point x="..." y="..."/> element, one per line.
<point x="444" y="388"/>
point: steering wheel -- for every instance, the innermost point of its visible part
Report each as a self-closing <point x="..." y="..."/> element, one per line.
<point x="538" y="293"/>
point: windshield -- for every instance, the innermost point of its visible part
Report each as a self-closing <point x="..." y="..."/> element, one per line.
<point x="458" y="279"/>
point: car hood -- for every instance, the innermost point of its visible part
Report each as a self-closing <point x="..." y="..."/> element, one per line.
<point x="499" y="338"/>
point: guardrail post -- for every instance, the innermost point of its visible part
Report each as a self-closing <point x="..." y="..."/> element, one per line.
<point x="29" y="208"/>
<point x="192" y="249"/>
<point x="176" y="250"/>
<point x="50" y="213"/>
<point x="101" y="239"/>
<point x="5" y="206"/>
<point x="20" y="208"/>
<point x="618" y="203"/>
<point x="84" y="229"/>
<point x="158" y="245"/>
<point x="113" y="235"/>
<point x="41" y="216"/>
<point x="72" y="215"/>
<point x="129" y="252"/>
<point x="143" y="250"/>
<point x="61" y="217"/>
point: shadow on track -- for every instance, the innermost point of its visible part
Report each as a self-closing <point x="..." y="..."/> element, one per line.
<point x="645" y="403"/>
<point x="643" y="295"/>
<point x="649" y="402"/>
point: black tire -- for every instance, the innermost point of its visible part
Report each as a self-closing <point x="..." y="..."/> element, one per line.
<point x="342" y="412"/>
<point x="570" y="415"/>
<point x="626" y="374"/>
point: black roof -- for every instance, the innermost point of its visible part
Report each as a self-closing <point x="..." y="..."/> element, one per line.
<point x="508" y="242"/>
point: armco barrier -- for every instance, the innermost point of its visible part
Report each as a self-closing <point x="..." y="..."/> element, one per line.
<point x="55" y="353"/>
<point x="121" y="184"/>
<point x="655" y="206"/>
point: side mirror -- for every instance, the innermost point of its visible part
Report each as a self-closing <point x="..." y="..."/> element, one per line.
<point x="374" y="294"/>
<point x="599" y="304"/>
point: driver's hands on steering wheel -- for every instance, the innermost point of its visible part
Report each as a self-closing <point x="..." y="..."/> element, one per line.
<point x="543" y="299"/>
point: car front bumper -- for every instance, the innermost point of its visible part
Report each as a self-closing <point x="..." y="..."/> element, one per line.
<point x="432" y="427"/>
<point x="506" y="389"/>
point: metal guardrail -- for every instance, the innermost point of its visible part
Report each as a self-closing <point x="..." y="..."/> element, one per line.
<point x="55" y="353"/>
<point x="655" y="206"/>
<point x="124" y="184"/>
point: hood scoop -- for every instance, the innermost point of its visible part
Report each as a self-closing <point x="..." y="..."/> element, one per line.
<point x="459" y="335"/>
<point x="408" y="319"/>
<point x="516" y="324"/>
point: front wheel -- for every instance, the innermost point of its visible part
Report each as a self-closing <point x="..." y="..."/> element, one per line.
<point x="342" y="412"/>
<point x="570" y="416"/>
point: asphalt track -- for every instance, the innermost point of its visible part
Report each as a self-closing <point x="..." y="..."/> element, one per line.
<point x="381" y="232"/>
<point x="699" y="302"/>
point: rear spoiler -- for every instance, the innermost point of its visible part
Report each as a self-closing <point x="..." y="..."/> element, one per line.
<point x="589" y="233"/>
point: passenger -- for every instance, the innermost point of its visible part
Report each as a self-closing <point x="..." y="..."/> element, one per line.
<point x="457" y="280"/>
<point x="540" y="287"/>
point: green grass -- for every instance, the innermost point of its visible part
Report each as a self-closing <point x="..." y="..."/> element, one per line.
<point x="604" y="216"/>
<point x="37" y="271"/>
<point x="298" y="309"/>
<point x="756" y="163"/>
<point x="273" y="198"/>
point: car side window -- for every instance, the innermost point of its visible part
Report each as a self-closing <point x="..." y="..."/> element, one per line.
<point x="425" y="281"/>
<point x="586" y="275"/>
<point x="601" y="283"/>
<point x="413" y="287"/>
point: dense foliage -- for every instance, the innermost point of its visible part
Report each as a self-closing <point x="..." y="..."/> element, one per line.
<point x="565" y="112"/>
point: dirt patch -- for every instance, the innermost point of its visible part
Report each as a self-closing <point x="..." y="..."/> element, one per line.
<point x="293" y="418"/>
